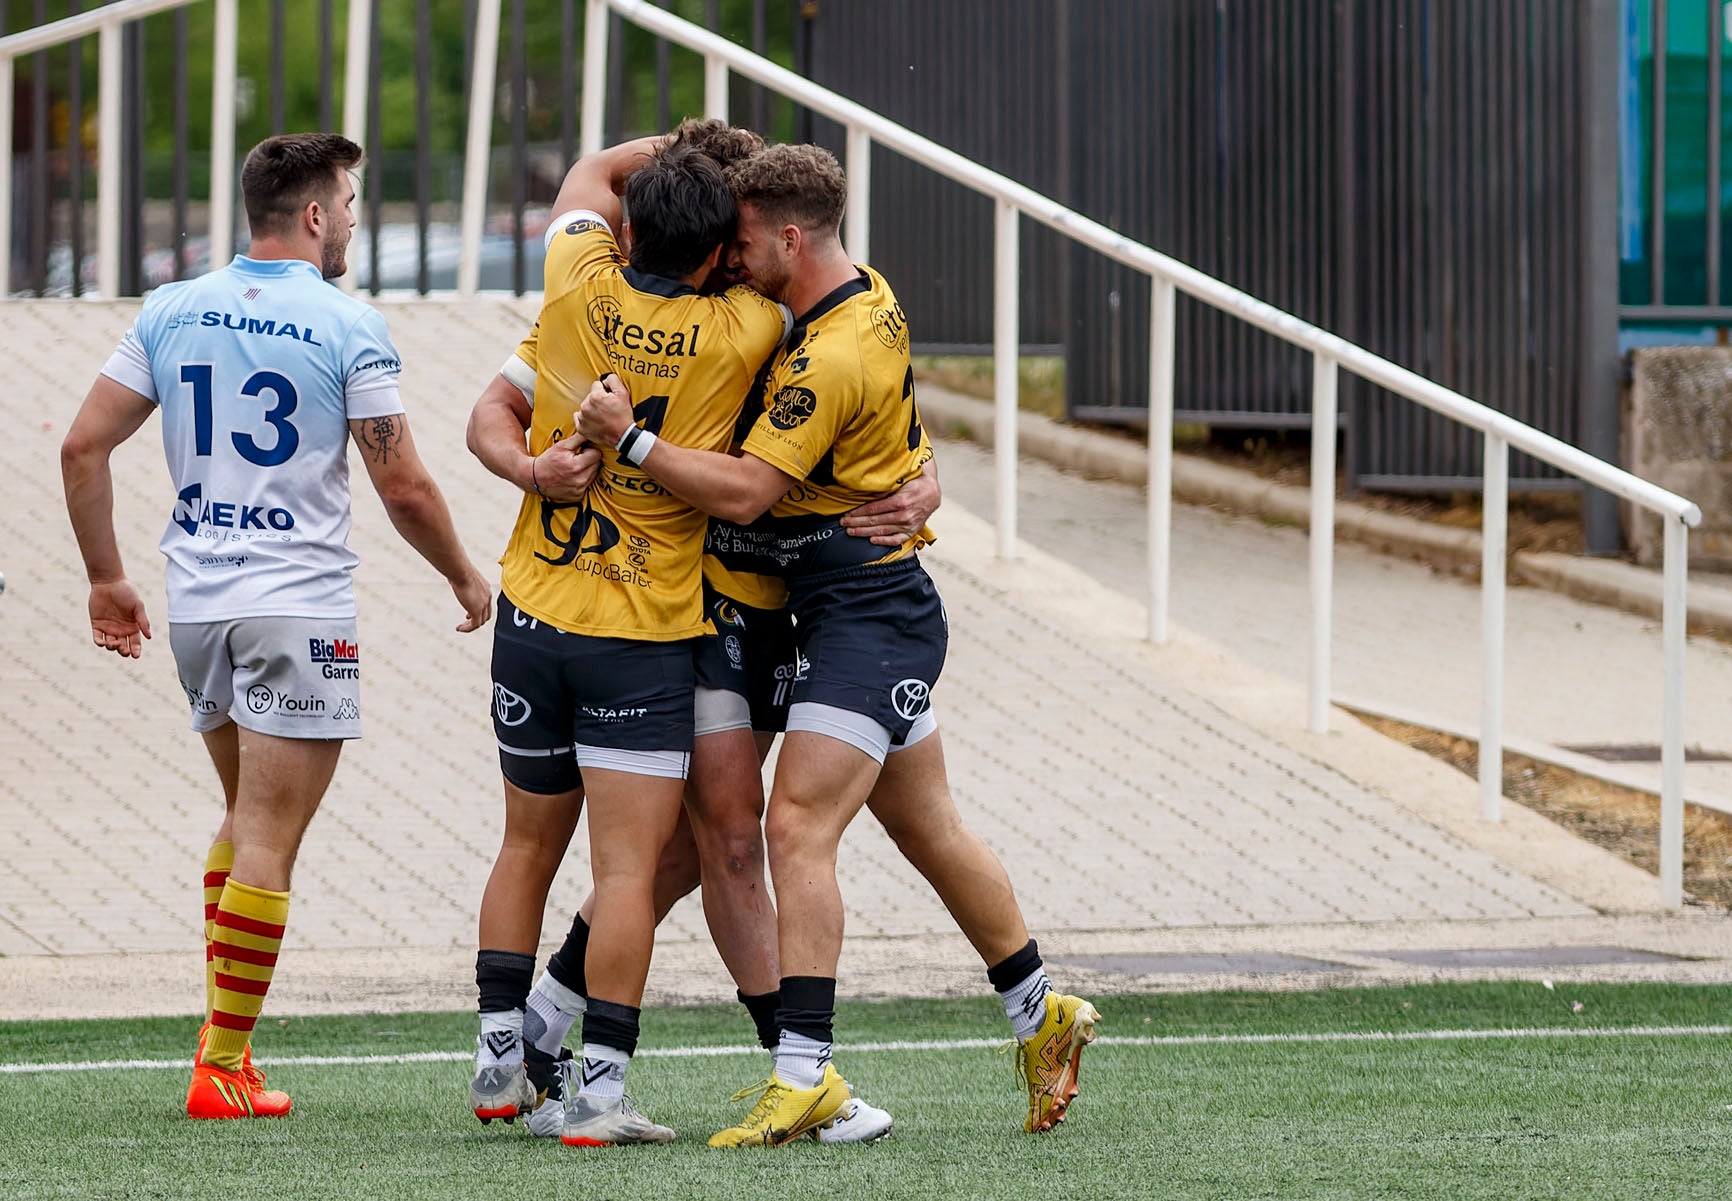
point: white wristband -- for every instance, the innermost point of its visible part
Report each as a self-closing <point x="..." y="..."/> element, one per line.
<point x="635" y="444"/>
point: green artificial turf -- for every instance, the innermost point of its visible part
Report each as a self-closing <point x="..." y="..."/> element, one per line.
<point x="1578" y="1118"/>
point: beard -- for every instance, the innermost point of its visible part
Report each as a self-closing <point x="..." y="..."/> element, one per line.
<point x="333" y="260"/>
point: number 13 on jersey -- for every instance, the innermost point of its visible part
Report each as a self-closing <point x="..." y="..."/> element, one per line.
<point x="281" y="399"/>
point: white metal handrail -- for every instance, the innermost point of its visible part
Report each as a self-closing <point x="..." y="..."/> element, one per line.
<point x="1168" y="276"/>
<point x="107" y="23"/>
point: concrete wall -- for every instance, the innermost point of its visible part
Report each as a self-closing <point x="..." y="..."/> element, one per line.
<point x="1678" y="433"/>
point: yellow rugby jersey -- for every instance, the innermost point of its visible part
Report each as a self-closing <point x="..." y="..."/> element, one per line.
<point x="738" y="560"/>
<point x="624" y="562"/>
<point x="839" y="415"/>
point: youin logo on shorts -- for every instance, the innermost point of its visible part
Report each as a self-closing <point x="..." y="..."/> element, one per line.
<point x="508" y="707"/>
<point x="260" y="698"/>
<point x="911" y="698"/>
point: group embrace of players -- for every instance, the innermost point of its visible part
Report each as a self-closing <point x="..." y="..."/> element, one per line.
<point x="725" y="486"/>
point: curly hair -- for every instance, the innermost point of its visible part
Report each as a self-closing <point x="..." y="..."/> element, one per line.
<point x="793" y="185"/>
<point x="283" y="174"/>
<point x="726" y="144"/>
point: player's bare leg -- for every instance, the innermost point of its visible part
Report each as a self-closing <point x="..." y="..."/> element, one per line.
<point x="631" y="818"/>
<point x="538" y="830"/>
<point x="821" y="783"/>
<point x="279" y="784"/>
<point x="912" y="802"/>
<point x="725" y="802"/>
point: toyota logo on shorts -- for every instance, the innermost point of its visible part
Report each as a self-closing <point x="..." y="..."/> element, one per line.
<point x="260" y="698"/>
<point x="508" y="707"/>
<point x="911" y="698"/>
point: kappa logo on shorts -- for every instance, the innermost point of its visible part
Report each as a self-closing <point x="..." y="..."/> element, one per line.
<point x="508" y="707"/>
<point x="347" y="711"/>
<point x="911" y="698"/>
<point x="260" y="698"/>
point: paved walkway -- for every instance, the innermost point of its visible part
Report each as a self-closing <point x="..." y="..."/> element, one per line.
<point x="1128" y="790"/>
<point x="1406" y="638"/>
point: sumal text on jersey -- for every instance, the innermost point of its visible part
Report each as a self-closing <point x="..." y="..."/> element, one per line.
<point x="263" y="326"/>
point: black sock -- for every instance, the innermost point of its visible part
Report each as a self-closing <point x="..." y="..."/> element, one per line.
<point x="1008" y="973"/>
<point x="808" y="1007"/>
<point x="502" y="980"/>
<point x="763" y="1009"/>
<point x="566" y="966"/>
<point x="609" y="1025"/>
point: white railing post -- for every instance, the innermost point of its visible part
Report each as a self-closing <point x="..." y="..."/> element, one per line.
<point x="355" y="78"/>
<point x="222" y="134"/>
<point x="107" y="163"/>
<point x="1494" y="535"/>
<point x="1677" y="562"/>
<point x="1325" y="382"/>
<point x="5" y="176"/>
<point x="1163" y="303"/>
<point x="1005" y="346"/>
<point x="859" y="168"/>
<point x="715" y="88"/>
<point x="478" y="144"/>
<point x="594" y="110"/>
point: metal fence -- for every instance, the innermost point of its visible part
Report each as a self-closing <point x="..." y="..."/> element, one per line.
<point x="293" y="71"/>
<point x="1406" y="171"/>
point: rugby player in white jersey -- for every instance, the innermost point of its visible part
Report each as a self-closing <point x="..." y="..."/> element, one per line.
<point x="263" y="372"/>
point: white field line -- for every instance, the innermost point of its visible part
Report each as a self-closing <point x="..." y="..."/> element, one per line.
<point x="951" y="1044"/>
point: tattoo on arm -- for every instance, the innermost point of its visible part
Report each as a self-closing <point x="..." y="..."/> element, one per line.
<point x="383" y="437"/>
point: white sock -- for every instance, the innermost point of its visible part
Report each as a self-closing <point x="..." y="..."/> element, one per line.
<point x="501" y="1038"/>
<point x="800" y="1060"/>
<point x="1025" y="1003"/>
<point x="603" y="1071"/>
<point x="553" y="1010"/>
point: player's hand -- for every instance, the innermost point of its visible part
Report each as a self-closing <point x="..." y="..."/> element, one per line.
<point x="565" y="470"/>
<point x="892" y="519"/>
<point x="606" y="411"/>
<point x="475" y="594"/>
<point x="117" y="618"/>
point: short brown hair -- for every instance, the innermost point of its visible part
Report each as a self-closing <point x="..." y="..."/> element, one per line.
<point x="793" y="185"/>
<point x="283" y="174"/>
<point x="726" y="144"/>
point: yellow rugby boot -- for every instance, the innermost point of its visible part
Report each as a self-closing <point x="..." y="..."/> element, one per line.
<point x="1051" y="1062"/>
<point x="783" y="1113"/>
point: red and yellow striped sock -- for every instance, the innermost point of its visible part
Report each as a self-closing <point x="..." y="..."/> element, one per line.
<point x="247" y="937"/>
<point x="218" y="862"/>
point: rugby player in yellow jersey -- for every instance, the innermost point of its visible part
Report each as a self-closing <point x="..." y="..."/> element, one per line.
<point x="744" y="672"/>
<point x="601" y="603"/>
<point x="840" y="426"/>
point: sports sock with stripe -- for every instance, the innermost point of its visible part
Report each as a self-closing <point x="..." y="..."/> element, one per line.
<point x="806" y="1022"/>
<point x="610" y="1034"/>
<point x="552" y="1011"/>
<point x="246" y="938"/>
<point x="218" y="862"/>
<point x="502" y="985"/>
<point x="1022" y="985"/>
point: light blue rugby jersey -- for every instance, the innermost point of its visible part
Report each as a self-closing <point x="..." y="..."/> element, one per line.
<point x="258" y="368"/>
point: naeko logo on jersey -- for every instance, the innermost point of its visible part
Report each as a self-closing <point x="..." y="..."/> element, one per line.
<point x="223" y="520"/>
